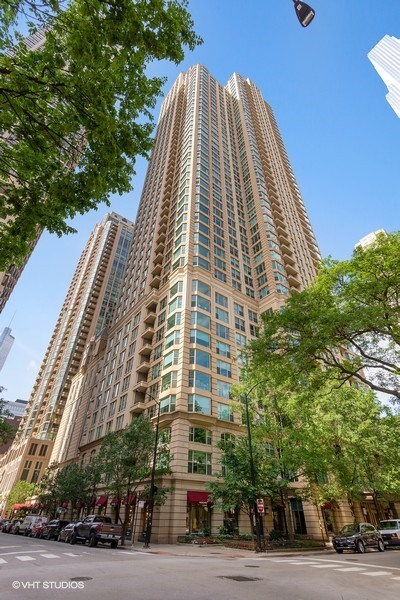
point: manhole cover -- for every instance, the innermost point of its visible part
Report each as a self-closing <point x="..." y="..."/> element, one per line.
<point x="81" y="578"/>
<point x="239" y="578"/>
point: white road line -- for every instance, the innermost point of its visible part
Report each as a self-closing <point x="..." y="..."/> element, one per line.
<point x="70" y="554"/>
<point x="23" y="558"/>
<point x="396" y="578"/>
<point x="349" y="569"/>
<point x="302" y="563"/>
<point x="50" y="556"/>
<point x="2" y="561"/>
<point x="323" y="566"/>
<point x="376" y="573"/>
<point x="20" y="552"/>
<point x="3" y="547"/>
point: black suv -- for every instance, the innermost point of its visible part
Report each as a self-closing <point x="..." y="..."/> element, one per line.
<point x="52" y="529"/>
<point x="358" y="537"/>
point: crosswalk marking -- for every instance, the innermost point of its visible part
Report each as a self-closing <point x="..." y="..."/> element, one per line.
<point x="50" y="556"/>
<point x="72" y="554"/>
<point x="349" y="569"/>
<point x="323" y="566"/>
<point x="24" y="558"/>
<point x="2" y="560"/>
<point x="396" y="578"/>
<point x="377" y="573"/>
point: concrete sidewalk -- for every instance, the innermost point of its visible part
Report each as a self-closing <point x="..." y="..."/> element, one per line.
<point x="219" y="551"/>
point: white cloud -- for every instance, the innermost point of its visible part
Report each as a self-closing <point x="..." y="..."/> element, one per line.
<point x="33" y="366"/>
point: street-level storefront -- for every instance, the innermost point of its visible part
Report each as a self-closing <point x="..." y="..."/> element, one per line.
<point x="199" y="511"/>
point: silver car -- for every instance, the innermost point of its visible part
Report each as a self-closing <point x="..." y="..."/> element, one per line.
<point x="390" y="532"/>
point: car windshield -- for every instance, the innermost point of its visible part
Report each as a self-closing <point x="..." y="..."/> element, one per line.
<point x="350" y="529"/>
<point x="389" y="525"/>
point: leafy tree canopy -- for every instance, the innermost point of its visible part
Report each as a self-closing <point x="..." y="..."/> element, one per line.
<point x="345" y="326"/>
<point x="76" y="111"/>
<point x="6" y="430"/>
<point x="20" y="493"/>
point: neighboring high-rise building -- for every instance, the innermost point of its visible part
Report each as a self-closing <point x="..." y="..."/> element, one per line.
<point x="369" y="239"/>
<point x="221" y="236"/>
<point x="16" y="408"/>
<point x="385" y="57"/>
<point x="86" y="312"/>
<point x="6" y="342"/>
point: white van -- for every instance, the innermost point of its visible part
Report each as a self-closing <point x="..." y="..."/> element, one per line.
<point x="28" y="523"/>
<point x="390" y="531"/>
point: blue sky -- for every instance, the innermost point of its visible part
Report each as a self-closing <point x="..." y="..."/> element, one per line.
<point x="340" y="133"/>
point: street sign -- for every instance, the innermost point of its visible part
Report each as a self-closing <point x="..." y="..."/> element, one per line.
<point x="260" y="505"/>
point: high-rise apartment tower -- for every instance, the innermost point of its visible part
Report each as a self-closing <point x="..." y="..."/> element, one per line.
<point x="385" y="57"/>
<point x="221" y="236"/>
<point x="6" y="342"/>
<point x="86" y="312"/>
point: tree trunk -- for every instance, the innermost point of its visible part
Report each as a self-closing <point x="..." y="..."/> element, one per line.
<point x="287" y="515"/>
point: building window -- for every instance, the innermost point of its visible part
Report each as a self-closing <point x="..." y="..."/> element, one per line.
<point x="170" y="359"/>
<point x="175" y="304"/>
<point x="122" y="403"/>
<point x="200" y="302"/>
<point x="223" y="349"/>
<point x="168" y="404"/>
<point x="169" y="380"/>
<point x="199" y="435"/>
<point x="36" y="472"/>
<point x="199" y="337"/>
<point x="199" y="462"/>
<point x="200" y="380"/>
<point x="199" y="357"/>
<point x="32" y="449"/>
<point x="224" y="368"/>
<point x="25" y="472"/>
<point x="221" y="314"/>
<point x="199" y="404"/>
<point x="225" y="412"/>
<point x="200" y="320"/>
<point x="43" y="451"/>
<point x="222" y="331"/>
<point x="111" y="411"/>
<point x="119" y="422"/>
<point x="221" y="300"/>
<point x="223" y="389"/>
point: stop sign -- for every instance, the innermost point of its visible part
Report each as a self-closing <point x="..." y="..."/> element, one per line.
<point x="260" y="505"/>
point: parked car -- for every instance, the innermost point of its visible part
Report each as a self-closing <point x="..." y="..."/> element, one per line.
<point x="66" y="532"/>
<point x="15" y="523"/>
<point x="4" y="524"/>
<point x="358" y="537"/>
<point x="390" y="532"/>
<point x="52" y="529"/>
<point x="36" y="530"/>
<point x="28" y="523"/>
<point x="96" y="528"/>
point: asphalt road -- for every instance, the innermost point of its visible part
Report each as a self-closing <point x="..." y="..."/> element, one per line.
<point x="37" y="569"/>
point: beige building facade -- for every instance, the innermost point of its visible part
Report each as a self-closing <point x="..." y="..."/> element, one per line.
<point x="221" y="236"/>
<point x="87" y="311"/>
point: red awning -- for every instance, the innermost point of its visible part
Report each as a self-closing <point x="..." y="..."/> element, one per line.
<point x="101" y="501"/>
<point x="198" y="497"/>
<point x="79" y="504"/>
<point x="131" y="499"/>
<point x="114" y="501"/>
<point x="64" y="505"/>
<point x="327" y="505"/>
<point x="16" y="506"/>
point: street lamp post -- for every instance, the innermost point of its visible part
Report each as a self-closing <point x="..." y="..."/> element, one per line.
<point x="260" y="545"/>
<point x="304" y="12"/>
<point x="149" y="522"/>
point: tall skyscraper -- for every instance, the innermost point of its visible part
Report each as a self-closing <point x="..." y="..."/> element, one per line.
<point x="86" y="312"/>
<point x="221" y="236"/>
<point x="6" y="342"/>
<point x="385" y="57"/>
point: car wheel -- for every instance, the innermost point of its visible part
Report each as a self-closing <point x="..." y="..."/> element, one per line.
<point x="92" y="540"/>
<point x="114" y="544"/>
<point x="59" y="539"/>
<point x="360" y="547"/>
<point x="339" y="550"/>
<point x="49" y="536"/>
<point x="16" y="531"/>
<point x="72" y="538"/>
<point x="381" y="546"/>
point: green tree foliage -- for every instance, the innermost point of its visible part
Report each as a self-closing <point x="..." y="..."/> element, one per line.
<point x="233" y="487"/>
<point x="76" y="111"/>
<point x="7" y="431"/>
<point x="125" y="460"/>
<point x="345" y="326"/>
<point x="20" y="493"/>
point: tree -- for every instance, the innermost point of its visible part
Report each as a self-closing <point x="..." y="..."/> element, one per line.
<point x="345" y="326"/>
<point x="75" y="112"/>
<point x="233" y="487"/>
<point x="125" y="459"/>
<point x="7" y="431"/>
<point x="19" y="494"/>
